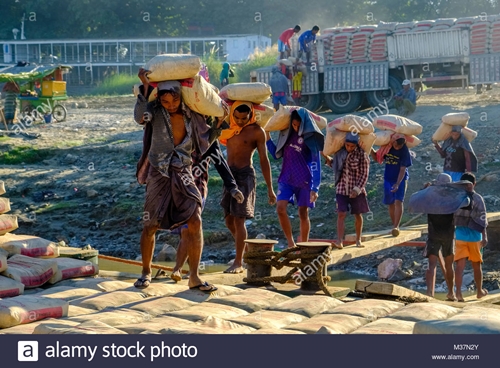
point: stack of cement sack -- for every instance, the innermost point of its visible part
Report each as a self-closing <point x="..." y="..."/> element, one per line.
<point x="29" y="262"/>
<point x="494" y="45"/>
<point x="337" y="130"/>
<point x="256" y="93"/>
<point x="199" y="95"/>
<point x="377" y="50"/>
<point x="281" y="119"/>
<point x="448" y="121"/>
<point x="390" y="124"/>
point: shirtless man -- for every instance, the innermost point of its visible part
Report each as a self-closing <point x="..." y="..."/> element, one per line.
<point x="242" y="139"/>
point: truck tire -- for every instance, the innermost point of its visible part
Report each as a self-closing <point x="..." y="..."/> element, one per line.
<point x="376" y="98"/>
<point x="344" y="102"/>
<point x="310" y="102"/>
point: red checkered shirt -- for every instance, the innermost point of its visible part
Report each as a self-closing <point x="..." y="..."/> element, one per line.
<point x="354" y="173"/>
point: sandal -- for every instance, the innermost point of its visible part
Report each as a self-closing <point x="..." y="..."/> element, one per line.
<point x="143" y="282"/>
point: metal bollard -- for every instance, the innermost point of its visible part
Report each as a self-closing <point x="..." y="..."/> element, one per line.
<point x="257" y="271"/>
<point x="317" y="248"/>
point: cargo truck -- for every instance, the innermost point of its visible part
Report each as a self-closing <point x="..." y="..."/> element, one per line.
<point x="365" y="65"/>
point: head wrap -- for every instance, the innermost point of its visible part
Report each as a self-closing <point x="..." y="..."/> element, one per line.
<point x="352" y="138"/>
<point x="174" y="86"/>
<point x="235" y="129"/>
<point x="456" y="128"/>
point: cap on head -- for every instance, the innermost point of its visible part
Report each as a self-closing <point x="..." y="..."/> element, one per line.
<point x="443" y="179"/>
<point x="456" y="128"/>
<point x="406" y="82"/>
<point x="169" y="86"/>
<point x="352" y="138"/>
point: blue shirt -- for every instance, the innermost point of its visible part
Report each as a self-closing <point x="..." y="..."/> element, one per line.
<point x="306" y="38"/>
<point x="464" y="233"/>
<point x="394" y="159"/>
<point x="410" y="95"/>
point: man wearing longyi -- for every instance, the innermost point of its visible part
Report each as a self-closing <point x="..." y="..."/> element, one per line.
<point x="172" y="133"/>
<point x="242" y="139"/>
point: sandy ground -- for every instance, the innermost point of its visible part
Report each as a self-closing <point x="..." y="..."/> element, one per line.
<point x="85" y="191"/>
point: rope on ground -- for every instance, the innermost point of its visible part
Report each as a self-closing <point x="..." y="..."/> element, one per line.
<point x="293" y="258"/>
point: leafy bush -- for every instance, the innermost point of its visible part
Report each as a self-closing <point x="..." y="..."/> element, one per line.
<point x="117" y="84"/>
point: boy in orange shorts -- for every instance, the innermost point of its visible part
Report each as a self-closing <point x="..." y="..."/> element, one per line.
<point x="470" y="238"/>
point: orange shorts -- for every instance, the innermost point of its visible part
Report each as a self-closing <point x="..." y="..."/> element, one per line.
<point x="470" y="250"/>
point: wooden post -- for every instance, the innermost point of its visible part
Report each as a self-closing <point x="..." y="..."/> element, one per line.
<point x="317" y="248"/>
<point x="256" y="271"/>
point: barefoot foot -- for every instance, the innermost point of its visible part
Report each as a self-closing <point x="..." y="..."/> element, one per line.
<point x="482" y="293"/>
<point x="235" y="269"/>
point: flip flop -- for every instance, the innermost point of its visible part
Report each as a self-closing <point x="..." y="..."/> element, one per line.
<point x="143" y="282"/>
<point x="205" y="284"/>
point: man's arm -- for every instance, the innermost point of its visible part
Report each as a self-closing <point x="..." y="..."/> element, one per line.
<point x="373" y="155"/>
<point x="412" y="96"/>
<point x="271" y="147"/>
<point x="402" y="172"/>
<point x="142" y="98"/>
<point x="439" y="149"/>
<point x="468" y="166"/>
<point x="264" y="163"/>
<point x="363" y="175"/>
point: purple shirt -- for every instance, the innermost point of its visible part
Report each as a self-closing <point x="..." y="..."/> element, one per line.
<point x="295" y="170"/>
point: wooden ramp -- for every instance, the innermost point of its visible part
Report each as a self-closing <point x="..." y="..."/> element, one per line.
<point x="492" y="216"/>
<point x="380" y="243"/>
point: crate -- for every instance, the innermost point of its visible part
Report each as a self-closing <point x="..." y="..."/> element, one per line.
<point x="53" y="88"/>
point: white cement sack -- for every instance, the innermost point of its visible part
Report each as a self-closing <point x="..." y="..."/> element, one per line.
<point x="210" y="325"/>
<point x="276" y="331"/>
<point x="32" y="272"/>
<point x="69" y="268"/>
<point x="67" y="293"/>
<point x="160" y="306"/>
<point x="71" y="328"/>
<point x="335" y="140"/>
<point x="270" y="319"/>
<point x="252" y="300"/>
<point x="397" y="124"/>
<point x="263" y="114"/>
<point x="352" y="123"/>
<point x="30" y="246"/>
<point x="417" y="312"/>
<point x="74" y="311"/>
<point x="26" y="329"/>
<point x="307" y="305"/>
<point x="114" y="317"/>
<point x="201" y="311"/>
<point x="10" y="288"/>
<point x="198" y="296"/>
<point x="172" y="67"/>
<point x="383" y="137"/>
<point x="443" y="132"/>
<point x="472" y="320"/>
<point x="386" y="326"/>
<point x="154" y="325"/>
<point x="2" y="187"/>
<point x="256" y="92"/>
<point x="337" y="323"/>
<point x="456" y="118"/>
<point x="200" y="97"/>
<point x="28" y="308"/>
<point x="412" y="141"/>
<point x="8" y="223"/>
<point x="4" y="205"/>
<point x="281" y="119"/>
<point x="109" y="299"/>
<point x="371" y="309"/>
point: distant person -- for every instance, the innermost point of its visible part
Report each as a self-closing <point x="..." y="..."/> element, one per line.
<point x="440" y="246"/>
<point x="10" y="91"/>
<point x="204" y="72"/>
<point x="471" y="238"/>
<point x="242" y="139"/>
<point x="397" y="159"/>
<point x="306" y="39"/>
<point x="279" y="87"/>
<point x="225" y="74"/>
<point x="459" y="157"/>
<point x="351" y="166"/>
<point x="405" y="101"/>
<point x="284" y="41"/>
<point x="299" y="145"/>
